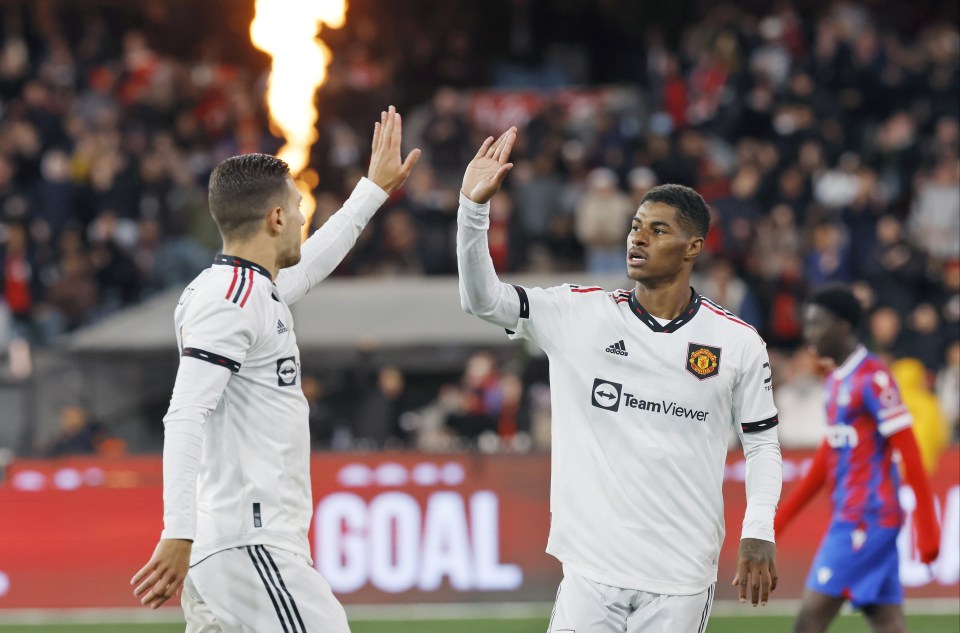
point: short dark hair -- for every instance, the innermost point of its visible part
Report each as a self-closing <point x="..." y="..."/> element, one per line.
<point x="242" y="189"/>
<point x="692" y="211"/>
<point x="840" y="301"/>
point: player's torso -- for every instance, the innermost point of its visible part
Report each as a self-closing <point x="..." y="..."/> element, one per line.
<point x="663" y="390"/>
<point x="864" y="476"/>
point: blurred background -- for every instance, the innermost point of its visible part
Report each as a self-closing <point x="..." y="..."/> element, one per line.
<point x="824" y="136"/>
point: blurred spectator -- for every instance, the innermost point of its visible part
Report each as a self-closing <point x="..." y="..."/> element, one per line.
<point x="798" y="393"/>
<point x="77" y="435"/>
<point x="378" y="417"/>
<point x="935" y="217"/>
<point x="602" y="217"/>
<point x="885" y="332"/>
<point x="948" y="388"/>
<point x="479" y="400"/>
<point x="929" y="424"/>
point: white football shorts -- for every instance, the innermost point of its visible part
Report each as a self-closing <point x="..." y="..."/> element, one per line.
<point x="259" y="589"/>
<point x="584" y="606"/>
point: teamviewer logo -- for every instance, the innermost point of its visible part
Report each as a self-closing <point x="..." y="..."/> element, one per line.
<point x="606" y="394"/>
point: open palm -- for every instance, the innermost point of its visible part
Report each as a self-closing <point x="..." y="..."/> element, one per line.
<point x="489" y="167"/>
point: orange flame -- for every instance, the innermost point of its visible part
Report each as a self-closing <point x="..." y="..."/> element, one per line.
<point x="288" y="30"/>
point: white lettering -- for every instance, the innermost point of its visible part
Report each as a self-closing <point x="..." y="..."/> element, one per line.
<point x="446" y="551"/>
<point x="946" y="569"/>
<point x="485" y="528"/>
<point x="393" y="560"/>
<point x="342" y="553"/>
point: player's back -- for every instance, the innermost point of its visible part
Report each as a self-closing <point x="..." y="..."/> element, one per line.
<point x="253" y="485"/>
<point x="863" y="409"/>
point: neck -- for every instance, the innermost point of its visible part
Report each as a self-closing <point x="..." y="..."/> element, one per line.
<point x="846" y="350"/>
<point x="256" y="252"/>
<point x="666" y="301"/>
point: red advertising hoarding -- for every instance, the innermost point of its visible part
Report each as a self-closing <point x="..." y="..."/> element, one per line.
<point x="387" y="528"/>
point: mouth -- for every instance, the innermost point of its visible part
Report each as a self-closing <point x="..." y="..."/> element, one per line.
<point x="636" y="258"/>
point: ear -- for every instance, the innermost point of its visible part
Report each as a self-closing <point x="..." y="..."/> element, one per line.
<point x="275" y="223"/>
<point x="694" y="247"/>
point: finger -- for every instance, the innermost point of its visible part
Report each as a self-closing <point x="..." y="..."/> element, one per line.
<point x="774" y="576"/>
<point x="149" y="582"/>
<point x="397" y="136"/>
<point x="140" y="575"/>
<point x="764" y="585"/>
<point x="391" y="121"/>
<point x="502" y="173"/>
<point x="376" y="138"/>
<point x="754" y="586"/>
<point x="484" y="147"/>
<point x="503" y="155"/>
<point x="411" y="160"/>
<point x="744" y="577"/>
<point x="493" y="149"/>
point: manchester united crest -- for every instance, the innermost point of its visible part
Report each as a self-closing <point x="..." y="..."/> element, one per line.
<point x="703" y="361"/>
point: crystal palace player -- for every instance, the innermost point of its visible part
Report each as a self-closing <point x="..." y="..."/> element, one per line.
<point x="236" y="469"/>
<point x="858" y="560"/>
<point x="646" y="387"/>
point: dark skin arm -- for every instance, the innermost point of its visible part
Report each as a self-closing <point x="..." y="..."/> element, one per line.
<point x="756" y="569"/>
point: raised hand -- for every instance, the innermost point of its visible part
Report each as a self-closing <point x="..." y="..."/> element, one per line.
<point x="163" y="575"/>
<point x="757" y="569"/>
<point x="489" y="167"/>
<point x="386" y="170"/>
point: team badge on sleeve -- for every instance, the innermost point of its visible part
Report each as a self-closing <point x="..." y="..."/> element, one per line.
<point x="703" y="361"/>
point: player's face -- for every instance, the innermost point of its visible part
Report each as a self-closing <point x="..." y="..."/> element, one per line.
<point x="822" y="331"/>
<point x="293" y="223"/>
<point x="657" y="246"/>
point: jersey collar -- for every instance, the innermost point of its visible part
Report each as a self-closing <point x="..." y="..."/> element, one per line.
<point x="685" y="317"/>
<point x="233" y="260"/>
<point x="853" y="361"/>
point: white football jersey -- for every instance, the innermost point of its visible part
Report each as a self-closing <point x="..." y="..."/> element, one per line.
<point x="254" y="479"/>
<point x="642" y="417"/>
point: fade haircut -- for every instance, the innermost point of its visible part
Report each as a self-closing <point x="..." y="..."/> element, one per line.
<point x="242" y="190"/>
<point x="692" y="212"/>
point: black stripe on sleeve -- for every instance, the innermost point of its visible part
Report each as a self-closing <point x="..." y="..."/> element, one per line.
<point x="524" y="302"/>
<point x="266" y="586"/>
<point x="524" y="305"/>
<point x="762" y="425"/>
<point x="210" y="357"/>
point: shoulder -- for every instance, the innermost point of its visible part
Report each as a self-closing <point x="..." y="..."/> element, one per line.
<point x="733" y="329"/>
<point x="223" y="292"/>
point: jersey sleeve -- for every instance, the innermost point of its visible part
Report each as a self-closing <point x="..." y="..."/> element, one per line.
<point x="753" y="407"/>
<point x="546" y="316"/>
<point x="217" y="331"/>
<point x="881" y="398"/>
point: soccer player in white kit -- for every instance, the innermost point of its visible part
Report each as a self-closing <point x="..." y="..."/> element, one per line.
<point x="647" y="386"/>
<point x="236" y="455"/>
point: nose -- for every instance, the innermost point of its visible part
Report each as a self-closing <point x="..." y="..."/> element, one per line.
<point x="638" y="238"/>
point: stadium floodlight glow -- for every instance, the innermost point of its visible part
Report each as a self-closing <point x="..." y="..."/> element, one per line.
<point x="288" y="31"/>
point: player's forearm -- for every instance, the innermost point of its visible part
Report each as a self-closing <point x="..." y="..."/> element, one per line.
<point x="764" y="477"/>
<point x="182" y="446"/>
<point x="928" y="529"/>
<point x="327" y="247"/>
<point x="196" y="393"/>
<point x="481" y="291"/>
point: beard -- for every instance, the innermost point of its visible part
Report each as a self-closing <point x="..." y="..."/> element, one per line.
<point x="291" y="257"/>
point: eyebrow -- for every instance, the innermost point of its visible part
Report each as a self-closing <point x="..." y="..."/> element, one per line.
<point x="655" y="223"/>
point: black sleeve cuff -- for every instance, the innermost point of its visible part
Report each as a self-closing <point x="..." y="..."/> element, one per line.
<point x="762" y="425"/>
<point x="210" y="357"/>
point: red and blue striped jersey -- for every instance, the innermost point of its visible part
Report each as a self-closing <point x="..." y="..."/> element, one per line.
<point x="864" y="408"/>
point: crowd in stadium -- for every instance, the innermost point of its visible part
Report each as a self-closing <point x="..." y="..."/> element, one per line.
<point x="827" y="144"/>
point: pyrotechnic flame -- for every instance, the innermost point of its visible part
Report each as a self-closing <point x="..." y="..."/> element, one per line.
<point x="288" y="31"/>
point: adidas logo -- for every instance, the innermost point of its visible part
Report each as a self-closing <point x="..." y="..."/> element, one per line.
<point x="281" y="328"/>
<point x="618" y="348"/>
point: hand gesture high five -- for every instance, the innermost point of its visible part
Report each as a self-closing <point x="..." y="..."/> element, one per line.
<point x="386" y="170"/>
<point x="488" y="168"/>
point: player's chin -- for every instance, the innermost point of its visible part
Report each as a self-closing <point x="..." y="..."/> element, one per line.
<point x="292" y="259"/>
<point x="638" y="273"/>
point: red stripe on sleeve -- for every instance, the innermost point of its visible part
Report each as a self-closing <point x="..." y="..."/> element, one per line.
<point x="233" y="283"/>
<point x="249" y="288"/>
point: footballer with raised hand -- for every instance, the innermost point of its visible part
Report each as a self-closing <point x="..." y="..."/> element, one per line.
<point x="236" y="454"/>
<point x="647" y="386"/>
